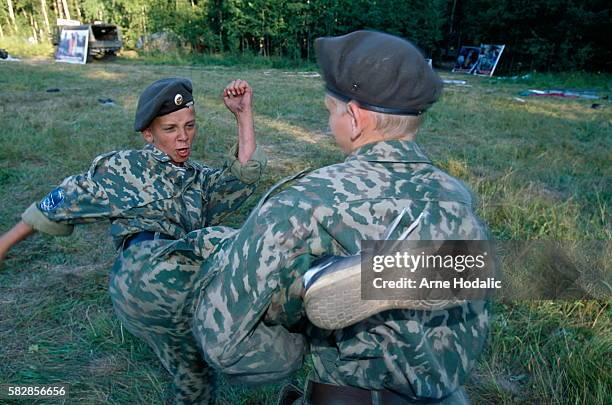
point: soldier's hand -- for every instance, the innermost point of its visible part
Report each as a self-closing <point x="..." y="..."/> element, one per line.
<point x="15" y="235"/>
<point x="238" y="96"/>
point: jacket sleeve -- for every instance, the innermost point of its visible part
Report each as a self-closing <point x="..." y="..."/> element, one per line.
<point x="78" y="199"/>
<point x="227" y="189"/>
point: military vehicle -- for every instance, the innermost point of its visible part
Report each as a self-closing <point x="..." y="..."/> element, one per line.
<point x="104" y="39"/>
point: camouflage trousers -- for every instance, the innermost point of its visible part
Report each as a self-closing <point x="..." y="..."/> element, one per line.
<point x="155" y="287"/>
<point x="424" y="356"/>
<point x="250" y="328"/>
<point x="152" y="292"/>
<point x="195" y="320"/>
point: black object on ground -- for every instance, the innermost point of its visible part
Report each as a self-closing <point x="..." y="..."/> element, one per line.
<point x="3" y="53"/>
<point x="595" y="106"/>
<point x="106" y="101"/>
<point x="53" y="90"/>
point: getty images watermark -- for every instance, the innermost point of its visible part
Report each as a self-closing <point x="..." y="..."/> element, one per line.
<point x="471" y="270"/>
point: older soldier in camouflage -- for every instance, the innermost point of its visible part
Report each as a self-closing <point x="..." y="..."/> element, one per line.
<point x="153" y="196"/>
<point x="250" y="319"/>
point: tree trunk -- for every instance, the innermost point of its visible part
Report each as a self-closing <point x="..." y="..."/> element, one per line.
<point x="78" y="10"/>
<point x="27" y="18"/>
<point x="43" y="6"/>
<point x="66" y="10"/>
<point x="39" y="32"/>
<point x="452" y="17"/>
<point x="58" y="9"/>
<point x="33" y="25"/>
<point x="1" y="32"/>
<point x="144" y="21"/>
<point x="12" y="14"/>
<point x="220" y="31"/>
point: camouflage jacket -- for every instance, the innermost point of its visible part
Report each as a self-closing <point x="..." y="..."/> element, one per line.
<point x="251" y="314"/>
<point x="141" y="190"/>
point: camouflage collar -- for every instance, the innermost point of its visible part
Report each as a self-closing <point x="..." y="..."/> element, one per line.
<point x="390" y="151"/>
<point x="162" y="156"/>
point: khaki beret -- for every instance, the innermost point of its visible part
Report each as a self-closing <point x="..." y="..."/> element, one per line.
<point x="381" y="72"/>
<point x="163" y="97"/>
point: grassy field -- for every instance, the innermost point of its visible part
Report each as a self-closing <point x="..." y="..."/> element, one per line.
<point x="541" y="168"/>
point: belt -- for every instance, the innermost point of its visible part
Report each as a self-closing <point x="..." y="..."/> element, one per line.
<point x="142" y="236"/>
<point x="326" y="394"/>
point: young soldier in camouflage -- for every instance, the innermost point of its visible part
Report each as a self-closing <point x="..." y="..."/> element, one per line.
<point x="153" y="196"/>
<point x="250" y="318"/>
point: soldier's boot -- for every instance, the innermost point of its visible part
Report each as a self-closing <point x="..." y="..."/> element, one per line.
<point x="333" y="300"/>
<point x="151" y="296"/>
<point x="332" y="288"/>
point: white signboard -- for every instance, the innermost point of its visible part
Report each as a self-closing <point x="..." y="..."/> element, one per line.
<point x="72" y="47"/>
<point x="63" y="22"/>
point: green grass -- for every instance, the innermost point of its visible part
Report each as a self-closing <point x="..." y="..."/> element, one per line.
<point x="541" y="169"/>
<point x="19" y="47"/>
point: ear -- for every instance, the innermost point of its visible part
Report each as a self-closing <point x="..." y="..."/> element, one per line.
<point x="147" y="135"/>
<point x="359" y="119"/>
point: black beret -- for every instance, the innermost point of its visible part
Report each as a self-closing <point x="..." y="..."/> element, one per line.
<point x="160" y="98"/>
<point x="382" y="72"/>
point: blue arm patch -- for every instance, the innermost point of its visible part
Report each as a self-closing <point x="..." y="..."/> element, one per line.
<point x="53" y="200"/>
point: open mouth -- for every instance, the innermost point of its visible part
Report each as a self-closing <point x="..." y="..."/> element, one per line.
<point x="183" y="152"/>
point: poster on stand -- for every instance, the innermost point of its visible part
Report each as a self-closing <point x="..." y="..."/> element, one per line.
<point x="467" y="59"/>
<point x="72" y="46"/>
<point x="488" y="59"/>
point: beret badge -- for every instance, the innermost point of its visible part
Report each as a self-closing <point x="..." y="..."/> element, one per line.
<point x="178" y="99"/>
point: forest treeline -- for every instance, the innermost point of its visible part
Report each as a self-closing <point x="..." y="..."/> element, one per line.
<point x="540" y="35"/>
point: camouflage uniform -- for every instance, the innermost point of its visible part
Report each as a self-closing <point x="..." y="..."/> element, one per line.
<point x="249" y="318"/>
<point x="141" y="190"/>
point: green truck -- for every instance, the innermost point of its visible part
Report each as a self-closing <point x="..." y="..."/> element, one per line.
<point x="104" y="39"/>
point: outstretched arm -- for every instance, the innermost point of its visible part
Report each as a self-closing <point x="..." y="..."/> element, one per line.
<point x="17" y="233"/>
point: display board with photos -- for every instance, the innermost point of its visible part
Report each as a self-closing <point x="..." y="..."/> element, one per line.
<point x="72" y="46"/>
<point x="478" y="60"/>
<point x="466" y="59"/>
